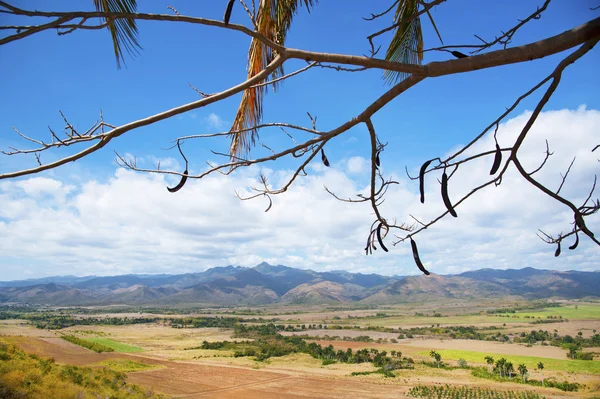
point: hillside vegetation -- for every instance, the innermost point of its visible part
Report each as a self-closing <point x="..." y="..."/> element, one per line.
<point x="28" y="376"/>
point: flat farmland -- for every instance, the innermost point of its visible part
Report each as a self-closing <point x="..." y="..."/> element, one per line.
<point x="189" y="363"/>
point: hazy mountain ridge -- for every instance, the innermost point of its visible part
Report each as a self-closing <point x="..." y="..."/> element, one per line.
<point x="264" y="284"/>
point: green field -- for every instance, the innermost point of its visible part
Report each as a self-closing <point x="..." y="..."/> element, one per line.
<point x="117" y="346"/>
<point x="582" y="312"/>
<point x="574" y="366"/>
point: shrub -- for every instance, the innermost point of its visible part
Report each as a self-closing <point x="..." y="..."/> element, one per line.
<point x="451" y="392"/>
<point x="99" y="348"/>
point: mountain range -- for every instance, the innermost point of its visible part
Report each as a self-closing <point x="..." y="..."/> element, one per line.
<point x="266" y="284"/>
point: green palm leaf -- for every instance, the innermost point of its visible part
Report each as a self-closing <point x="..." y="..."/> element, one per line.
<point x="124" y="31"/>
<point x="407" y="44"/>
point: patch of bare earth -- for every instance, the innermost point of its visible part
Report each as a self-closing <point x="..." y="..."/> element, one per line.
<point x="303" y="387"/>
<point x="23" y="328"/>
<point x="190" y="379"/>
<point x="61" y="351"/>
<point x="571" y="327"/>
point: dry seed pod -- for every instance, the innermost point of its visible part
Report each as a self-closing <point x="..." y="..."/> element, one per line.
<point x="180" y="184"/>
<point x="415" y="252"/>
<point x="445" y="196"/>
<point x="324" y="158"/>
<point x="228" y="11"/>
<point x="422" y="180"/>
<point x="379" y="237"/>
<point x="557" y="253"/>
<point x="458" y="54"/>
<point x="497" y="160"/>
<point x="369" y="244"/>
<point x="377" y="162"/>
<point x="576" y="243"/>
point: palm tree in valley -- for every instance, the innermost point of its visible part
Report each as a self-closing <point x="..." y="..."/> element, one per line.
<point x="501" y="366"/>
<point x="273" y="20"/>
<point x="437" y="357"/>
<point x="523" y="371"/>
<point x="509" y="369"/>
<point x="490" y="361"/>
<point x="540" y="367"/>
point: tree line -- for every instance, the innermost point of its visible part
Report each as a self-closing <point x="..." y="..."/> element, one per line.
<point x="269" y="343"/>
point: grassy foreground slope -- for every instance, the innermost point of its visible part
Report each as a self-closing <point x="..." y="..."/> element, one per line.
<point x="29" y="376"/>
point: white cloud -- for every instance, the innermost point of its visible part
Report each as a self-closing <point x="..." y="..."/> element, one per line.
<point x="357" y="165"/>
<point x="214" y="121"/>
<point x="130" y="223"/>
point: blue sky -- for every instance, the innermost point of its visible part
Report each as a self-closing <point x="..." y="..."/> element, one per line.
<point x="77" y="74"/>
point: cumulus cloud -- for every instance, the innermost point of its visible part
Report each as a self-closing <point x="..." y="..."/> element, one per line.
<point x="131" y="224"/>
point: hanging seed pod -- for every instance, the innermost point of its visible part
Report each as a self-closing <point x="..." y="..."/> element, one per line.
<point x="458" y="54"/>
<point x="415" y="252"/>
<point x="445" y="196"/>
<point x="497" y="160"/>
<point x="576" y="243"/>
<point x="228" y="12"/>
<point x="557" y="253"/>
<point x="324" y="158"/>
<point x="377" y="162"/>
<point x="422" y="180"/>
<point x="368" y="248"/>
<point x="379" y="237"/>
<point x="180" y="184"/>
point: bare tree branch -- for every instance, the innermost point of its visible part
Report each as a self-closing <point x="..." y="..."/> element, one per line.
<point x="312" y="141"/>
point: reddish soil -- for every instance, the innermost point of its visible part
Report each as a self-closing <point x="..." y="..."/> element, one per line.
<point x="195" y="380"/>
<point x="61" y="350"/>
<point x="303" y="388"/>
<point x="179" y="378"/>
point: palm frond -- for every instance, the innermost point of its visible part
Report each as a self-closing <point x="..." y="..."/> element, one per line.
<point x="407" y="44"/>
<point x="124" y="31"/>
<point x="273" y="20"/>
